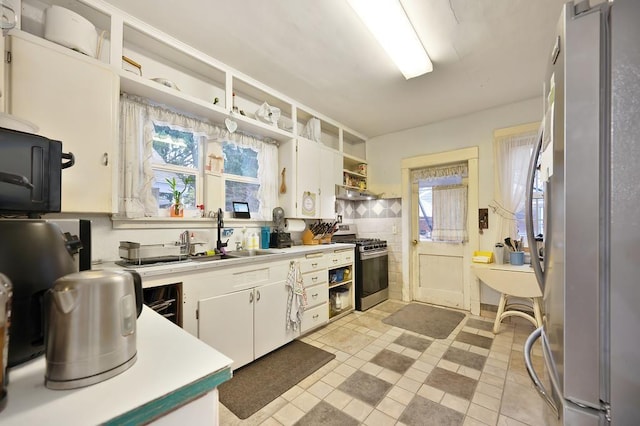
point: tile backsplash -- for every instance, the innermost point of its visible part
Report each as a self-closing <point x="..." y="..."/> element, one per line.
<point x="370" y="209"/>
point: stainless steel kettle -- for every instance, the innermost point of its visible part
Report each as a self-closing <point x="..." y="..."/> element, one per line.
<point x="91" y="329"/>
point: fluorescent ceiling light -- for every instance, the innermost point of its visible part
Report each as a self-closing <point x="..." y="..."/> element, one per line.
<point x="389" y="23"/>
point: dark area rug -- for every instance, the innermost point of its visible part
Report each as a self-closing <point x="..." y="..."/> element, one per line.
<point x="427" y="320"/>
<point x="257" y="384"/>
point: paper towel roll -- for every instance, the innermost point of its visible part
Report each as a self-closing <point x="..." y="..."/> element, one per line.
<point x="294" y="225"/>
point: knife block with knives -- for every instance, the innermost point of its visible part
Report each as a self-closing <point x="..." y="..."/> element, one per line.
<point x="318" y="233"/>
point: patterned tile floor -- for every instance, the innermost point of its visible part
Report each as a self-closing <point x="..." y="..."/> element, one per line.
<point x="384" y="375"/>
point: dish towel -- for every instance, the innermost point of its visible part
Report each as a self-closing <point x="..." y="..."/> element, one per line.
<point x="297" y="301"/>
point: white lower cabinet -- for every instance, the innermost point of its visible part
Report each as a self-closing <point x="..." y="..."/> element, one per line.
<point x="226" y="324"/>
<point x="270" y="318"/>
<point x="247" y="324"/>
<point x="314" y="276"/>
<point x="314" y="317"/>
<point x="241" y="311"/>
<point x="341" y="283"/>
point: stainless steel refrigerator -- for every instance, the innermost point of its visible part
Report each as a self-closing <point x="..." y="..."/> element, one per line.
<point x="588" y="160"/>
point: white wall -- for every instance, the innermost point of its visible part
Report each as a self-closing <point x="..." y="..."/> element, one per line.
<point x="385" y="153"/>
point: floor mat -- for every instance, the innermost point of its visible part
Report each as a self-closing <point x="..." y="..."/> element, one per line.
<point x="257" y="384"/>
<point x="426" y="320"/>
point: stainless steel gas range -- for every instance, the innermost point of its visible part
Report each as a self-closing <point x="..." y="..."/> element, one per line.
<point x="371" y="266"/>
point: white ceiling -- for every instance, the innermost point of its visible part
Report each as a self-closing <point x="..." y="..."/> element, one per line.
<point x="485" y="53"/>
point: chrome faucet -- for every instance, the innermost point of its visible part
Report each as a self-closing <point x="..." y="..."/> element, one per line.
<point x="185" y="242"/>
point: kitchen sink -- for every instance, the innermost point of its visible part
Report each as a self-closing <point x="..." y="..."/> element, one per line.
<point x="239" y="254"/>
<point x="249" y="253"/>
<point x="211" y="258"/>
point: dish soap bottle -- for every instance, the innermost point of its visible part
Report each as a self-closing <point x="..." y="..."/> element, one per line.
<point x="254" y="241"/>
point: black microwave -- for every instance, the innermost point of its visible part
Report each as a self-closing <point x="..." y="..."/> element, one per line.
<point x="30" y="173"/>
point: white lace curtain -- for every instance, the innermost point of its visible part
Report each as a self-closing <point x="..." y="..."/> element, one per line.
<point x="449" y="213"/>
<point x="448" y="202"/>
<point x="511" y="162"/>
<point x="136" y="148"/>
<point x="438" y="172"/>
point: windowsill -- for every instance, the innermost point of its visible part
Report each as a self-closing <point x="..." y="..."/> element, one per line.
<point x="182" y="222"/>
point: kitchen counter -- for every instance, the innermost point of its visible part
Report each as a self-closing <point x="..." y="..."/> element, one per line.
<point x="190" y="265"/>
<point x="173" y="369"/>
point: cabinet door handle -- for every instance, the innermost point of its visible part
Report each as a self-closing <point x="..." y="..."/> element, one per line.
<point x="335" y="260"/>
<point x="314" y="295"/>
<point x="105" y="159"/>
<point x="314" y="279"/>
<point x="251" y="297"/>
<point x="348" y="259"/>
<point x="257" y="295"/>
<point x="314" y="265"/>
<point x="315" y="317"/>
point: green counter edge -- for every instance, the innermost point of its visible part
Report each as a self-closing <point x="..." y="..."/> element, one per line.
<point x="163" y="405"/>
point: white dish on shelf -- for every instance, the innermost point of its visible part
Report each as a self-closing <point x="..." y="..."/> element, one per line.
<point x="168" y="83"/>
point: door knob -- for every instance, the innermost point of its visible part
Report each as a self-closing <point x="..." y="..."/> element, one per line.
<point x="414" y="242"/>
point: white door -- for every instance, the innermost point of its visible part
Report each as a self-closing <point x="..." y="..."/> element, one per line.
<point x="226" y="324"/>
<point x="270" y="325"/>
<point x="440" y="273"/>
<point x="438" y="266"/>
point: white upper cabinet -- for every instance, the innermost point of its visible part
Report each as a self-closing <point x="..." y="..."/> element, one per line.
<point x="311" y="172"/>
<point x="158" y="67"/>
<point x="299" y="161"/>
<point x="330" y="176"/>
<point x="73" y="99"/>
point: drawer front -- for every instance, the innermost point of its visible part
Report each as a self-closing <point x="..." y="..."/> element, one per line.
<point x="313" y="263"/>
<point x="314" y="278"/>
<point x="314" y="317"/>
<point x="340" y="258"/>
<point x="347" y="256"/>
<point x="316" y="295"/>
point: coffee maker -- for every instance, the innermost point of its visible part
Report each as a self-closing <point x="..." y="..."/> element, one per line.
<point x="279" y="238"/>
<point x="33" y="254"/>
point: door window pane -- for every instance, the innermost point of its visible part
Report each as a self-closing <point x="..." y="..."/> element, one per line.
<point x="425" y="202"/>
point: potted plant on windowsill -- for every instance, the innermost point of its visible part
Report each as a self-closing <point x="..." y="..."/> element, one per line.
<point x="177" y="208"/>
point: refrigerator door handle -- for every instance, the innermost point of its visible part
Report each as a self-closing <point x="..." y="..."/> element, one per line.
<point x="528" y="347"/>
<point x="535" y="260"/>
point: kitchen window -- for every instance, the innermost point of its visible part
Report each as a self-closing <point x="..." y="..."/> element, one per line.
<point x="537" y="210"/>
<point x="512" y="153"/>
<point x="176" y="155"/>
<point x="241" y="176"/>
<point x="157" y="144"/>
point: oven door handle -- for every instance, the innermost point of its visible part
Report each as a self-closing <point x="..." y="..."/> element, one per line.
<point x="373" y="255"/>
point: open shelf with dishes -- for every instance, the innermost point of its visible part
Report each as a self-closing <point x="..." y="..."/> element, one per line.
<point x="155" y="66"/>
<point x="324" y="131"/>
